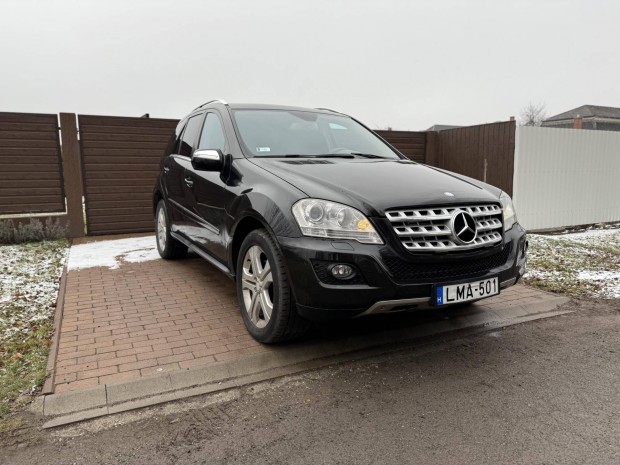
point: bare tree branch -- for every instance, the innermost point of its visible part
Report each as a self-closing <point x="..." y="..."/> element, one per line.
<point x="533" y="114"/>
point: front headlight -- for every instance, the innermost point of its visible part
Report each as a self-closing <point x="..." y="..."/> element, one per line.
<point x="320" y="218"/>
<point x="510" y="217"/>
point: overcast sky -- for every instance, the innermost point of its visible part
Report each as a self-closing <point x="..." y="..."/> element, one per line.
<point x="404" y="64"/>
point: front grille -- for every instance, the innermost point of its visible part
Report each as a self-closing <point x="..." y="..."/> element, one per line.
<point x="428" y="229"/>
<point x="436" y="272"/>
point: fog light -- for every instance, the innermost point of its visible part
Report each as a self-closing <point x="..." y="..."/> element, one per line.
<point x="341" y="271"/>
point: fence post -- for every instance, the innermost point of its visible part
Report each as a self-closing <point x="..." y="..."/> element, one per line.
<point x="512" y="147"/>
<point x="72" y="173"/>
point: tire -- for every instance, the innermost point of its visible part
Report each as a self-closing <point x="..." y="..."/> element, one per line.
<point x="265" y="299"/>
<point x="167" y="246"/>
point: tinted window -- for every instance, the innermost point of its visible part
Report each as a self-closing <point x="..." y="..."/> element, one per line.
<point x="188" y="139"/>
<point x="175" y="139"/>
<point x="212" y="136"/>
<point x="284" y="132"/>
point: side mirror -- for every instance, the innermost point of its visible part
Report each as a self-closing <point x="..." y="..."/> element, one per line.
<point x="208" y="160"/>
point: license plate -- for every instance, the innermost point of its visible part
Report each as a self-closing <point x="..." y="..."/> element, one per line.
<point x="464" y="292"/>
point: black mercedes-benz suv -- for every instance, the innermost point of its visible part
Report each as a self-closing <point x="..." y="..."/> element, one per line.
<point x="317" y="217"/>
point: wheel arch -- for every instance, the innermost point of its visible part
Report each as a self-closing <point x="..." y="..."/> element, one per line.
<point x="244" y="226"/>
<point x="157" y="196"/>
<point x="259" y="209"/>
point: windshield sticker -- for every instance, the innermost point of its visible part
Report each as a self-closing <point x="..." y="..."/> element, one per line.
<point x="263" y="149"/>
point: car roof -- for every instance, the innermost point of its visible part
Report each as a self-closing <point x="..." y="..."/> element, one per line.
<point x="262" y="106"/>
<point x="259" y="106"/>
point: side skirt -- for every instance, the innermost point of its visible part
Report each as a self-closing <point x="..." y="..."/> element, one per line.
<point x="216" y="263"/>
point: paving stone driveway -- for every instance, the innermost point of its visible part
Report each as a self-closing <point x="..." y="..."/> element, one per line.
<point x="155" y="316"/>
<point x="146" y="318"/>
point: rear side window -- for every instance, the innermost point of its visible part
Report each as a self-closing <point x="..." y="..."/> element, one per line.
<point x="212" y="136"/>
<point x="190" y="136"/>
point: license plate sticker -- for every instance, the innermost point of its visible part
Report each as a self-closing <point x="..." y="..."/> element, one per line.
<point x="464" y="292"/>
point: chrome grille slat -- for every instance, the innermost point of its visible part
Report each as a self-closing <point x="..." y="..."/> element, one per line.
<point x="443" y="213"/>
<point x="428" y="229"/>
<point x="487" y="224"/>
<point x="422" y="230"/>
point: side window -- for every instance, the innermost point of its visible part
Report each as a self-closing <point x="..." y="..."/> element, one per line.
<point x="175" y="140"/>
<point x="188" y="139"/>
<point x="212" y="136"/>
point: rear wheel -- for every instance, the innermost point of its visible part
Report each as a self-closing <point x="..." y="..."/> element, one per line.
<point x="167" y="246"/>
<point x="267" y="304"/>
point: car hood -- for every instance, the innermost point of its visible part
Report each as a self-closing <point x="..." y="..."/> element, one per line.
<point x="375" y="186"/>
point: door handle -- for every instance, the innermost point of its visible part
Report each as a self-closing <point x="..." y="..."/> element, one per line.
<point x="189" y="182"/>
<point x="166" y="170"/>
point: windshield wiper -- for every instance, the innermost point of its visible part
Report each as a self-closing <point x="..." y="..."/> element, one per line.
<point x="327" y="155"/>
<point x="297" y="155"/>
<point x="368" y="155"/>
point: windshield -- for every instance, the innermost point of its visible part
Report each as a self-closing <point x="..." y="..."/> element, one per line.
<point x="274" y="133"/>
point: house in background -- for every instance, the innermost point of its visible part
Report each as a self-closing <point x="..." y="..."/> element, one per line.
<point x="587" y="117"/>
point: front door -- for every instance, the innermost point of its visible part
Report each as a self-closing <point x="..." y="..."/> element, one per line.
<point x="209" y="194"/>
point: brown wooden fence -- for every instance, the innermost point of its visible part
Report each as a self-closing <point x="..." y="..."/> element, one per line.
<point x="114" y="162"/>
<point x="484" y="152"/>
<point x="120" y="162"/>
<point x="409" y="143"/>
<point x="30" y="164"/>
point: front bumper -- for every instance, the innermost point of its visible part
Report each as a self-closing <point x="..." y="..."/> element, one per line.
<point x="388" y="278"/>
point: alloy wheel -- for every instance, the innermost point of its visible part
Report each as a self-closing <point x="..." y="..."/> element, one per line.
<point x="257" y="286"/>
<point x="161" y="229"/>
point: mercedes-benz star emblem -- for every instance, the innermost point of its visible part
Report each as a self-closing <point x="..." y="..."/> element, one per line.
<point x="463" y="227"/>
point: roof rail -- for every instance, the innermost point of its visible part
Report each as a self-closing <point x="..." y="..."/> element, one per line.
<point x="327" y="109"/>
<point x="211" y="101"/>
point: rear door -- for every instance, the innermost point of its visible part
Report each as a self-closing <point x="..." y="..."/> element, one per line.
<point x="178" y="184"/>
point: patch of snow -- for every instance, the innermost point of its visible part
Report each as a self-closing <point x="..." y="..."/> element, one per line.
<point x="598" y="275"/>
<point x="29" y="279"/>
<point x="585" y="262"/>
<point x="595" y="234"/>
<point x="112" y="253"/>
<point x="611" y="280"/>
<point x="142" y="256"/>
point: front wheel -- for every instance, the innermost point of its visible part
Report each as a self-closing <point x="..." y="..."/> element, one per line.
<point x="267" y="304"/>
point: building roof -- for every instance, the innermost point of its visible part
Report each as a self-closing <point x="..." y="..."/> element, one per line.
<point x="587" y="111"/>
<point x="442" y="127"/>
